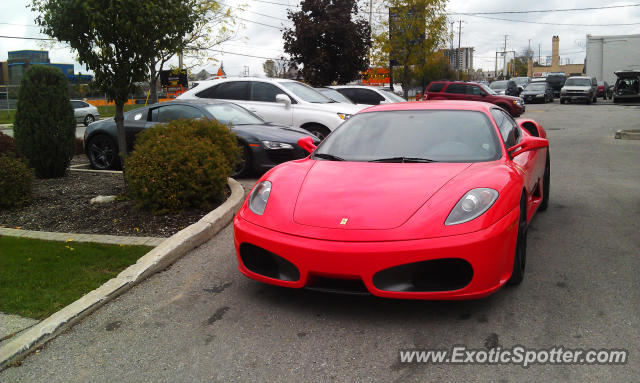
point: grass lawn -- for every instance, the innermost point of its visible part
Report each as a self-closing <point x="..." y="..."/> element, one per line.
<point x="38" y="278"/>
<point x="110" y="110"/>
<point x="7" y="116"/>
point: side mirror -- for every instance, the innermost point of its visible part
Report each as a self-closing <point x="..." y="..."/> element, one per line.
<point x="306" y="143"/>
<point x="528" y="143"/>
<point x="283" y="99"/>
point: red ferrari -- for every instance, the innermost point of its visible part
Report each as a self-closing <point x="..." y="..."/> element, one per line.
<point x="423" y="200"/>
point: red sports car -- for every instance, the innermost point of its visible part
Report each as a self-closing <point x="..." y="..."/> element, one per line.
<point x="424" y="200"/>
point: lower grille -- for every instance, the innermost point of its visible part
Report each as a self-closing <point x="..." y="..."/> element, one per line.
<point x="278" y="156"/>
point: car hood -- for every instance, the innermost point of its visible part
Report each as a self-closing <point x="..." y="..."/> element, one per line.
<point x="533" y="92"/>
<point x="583" y="88"/>
<point x="274" y="132"/>
<point x="368" y="196"/>
<point x="338" y="107"/>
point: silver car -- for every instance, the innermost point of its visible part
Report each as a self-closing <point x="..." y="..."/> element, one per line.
<point x="84" y="112"/>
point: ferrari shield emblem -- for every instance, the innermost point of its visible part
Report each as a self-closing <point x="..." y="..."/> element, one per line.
<point x="344" y="221"/>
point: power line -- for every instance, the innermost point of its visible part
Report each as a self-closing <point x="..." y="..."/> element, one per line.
<point x="259" y="23"/>
<point x="256" y="13"/>
<point x="241" y="54"/>
<point x="27" y="38"/>
<point x="546" y="10"/>
<point x="543" y="23"/>
<point x="272" y="2"/>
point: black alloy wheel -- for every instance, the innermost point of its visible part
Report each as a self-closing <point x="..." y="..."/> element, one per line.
<point x="520" y="256"/>
<point x="103" y="153"/>
<point x="88" y="119"/>
<point x="546" y="184"/>
<point x="243" y="167"/>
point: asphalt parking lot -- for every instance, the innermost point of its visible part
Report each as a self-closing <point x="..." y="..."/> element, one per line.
<point x="202" y="321"/>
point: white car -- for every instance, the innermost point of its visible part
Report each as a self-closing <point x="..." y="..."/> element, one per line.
<point x="84" y="112"/>
<point x="279" y="101"/>
<point x="368" y="95"/>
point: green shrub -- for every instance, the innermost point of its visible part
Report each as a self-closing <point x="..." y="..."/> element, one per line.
<point x="15" y="181"/>
<point x="45" y="127"/>
<point x="7" y="144"/>
<point x="182" y="164"/>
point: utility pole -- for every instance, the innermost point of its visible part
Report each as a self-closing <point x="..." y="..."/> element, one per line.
<point x="370" y="11"/>
<point x="458" y="55"/>
<point x="451" y="53"/>
<point x="504" y="56"/>
<point x="539" y="63"/>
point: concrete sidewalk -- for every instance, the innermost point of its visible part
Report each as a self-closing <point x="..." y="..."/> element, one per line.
<point x="95" y="238"/>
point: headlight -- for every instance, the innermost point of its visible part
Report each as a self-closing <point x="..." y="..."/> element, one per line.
<point x="518" y="101"/>
<point x="344" y="116"/>
<point x="259" y="197"/>
<point x="540" y="95"/>
<point x="270" y="145"/>
<point x="472" y="205"/>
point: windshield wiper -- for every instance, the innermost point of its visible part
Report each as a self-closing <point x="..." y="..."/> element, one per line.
<point x="403" y="159"/>
<point x="326" y="156"/>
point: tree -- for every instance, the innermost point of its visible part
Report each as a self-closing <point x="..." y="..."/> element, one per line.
<point x="269" y="68"/>
<point x="117" y="39"/>
<point x="277" y="68"/>
<point x="45" y="128"/>
<point x="330" y="40"/>
<point x="414" y="31"/>
<point x="213" y="25"/>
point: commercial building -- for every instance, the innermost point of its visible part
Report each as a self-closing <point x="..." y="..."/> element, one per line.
<point x="19" y="61"/>
<point x="460" y="58"/>
<point x="609" y="54"/>
<point x="555" y="67"/>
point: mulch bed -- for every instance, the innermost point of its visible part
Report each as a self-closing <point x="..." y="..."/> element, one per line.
<point x="62" y="205"/>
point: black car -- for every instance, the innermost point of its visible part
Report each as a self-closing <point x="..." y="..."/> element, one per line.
<point x="264" y="145"/>
<point x="556" y="80"/>
<point x="537" y="92"/>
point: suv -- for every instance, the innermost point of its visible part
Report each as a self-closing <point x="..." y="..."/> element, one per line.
<point x="368" y="95"/>
<point x="579" y="88"/>
<point x="460" y="90"/>
<point x="280" y="101"/>
<point x="627" y="85"/>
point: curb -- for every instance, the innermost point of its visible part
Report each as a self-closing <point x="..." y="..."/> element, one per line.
<point x="94" y="238"/>
<point x="155" y="260"/>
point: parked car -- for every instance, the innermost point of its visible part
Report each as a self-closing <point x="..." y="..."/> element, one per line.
<point x="521" y="82"/>
<point x="84" y="112"/>
<point x="506" y="87"/>
<point x="420" y="200"/>
<point x="280" y="101"/>
<point x="459" y="90"/>
<point x="603" y="90"/>
<point x="556" y="80"/>
<point x="627" y="86"/>
<point x="368" y="95"/>
<point x="537" y="92"/>
<point x="579" y="88"/>
<point x="264" y="145"/>
<point x="334" y="95"/>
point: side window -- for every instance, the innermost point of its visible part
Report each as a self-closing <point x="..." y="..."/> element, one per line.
<point x="265" y="92"/>
<point x="174" y="112"/>
<point x="509" y="130"/>
<point x="366" y="96"/>
<point x="456" y="88"/>
<point x="474" y="90"/>
<point x="232" y="90"/>
<point x="436" y="87"/>
<point x="76" y="104"/>
<point x="84" y="104"/>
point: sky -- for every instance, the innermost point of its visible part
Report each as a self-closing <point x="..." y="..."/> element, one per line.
<point x="258" y="32"/>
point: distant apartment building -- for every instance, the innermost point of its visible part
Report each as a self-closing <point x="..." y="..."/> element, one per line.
<point x="19" y="61"/>
<point x="460" y="58"/>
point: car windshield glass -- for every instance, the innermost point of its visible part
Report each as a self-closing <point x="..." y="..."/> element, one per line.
<point x="578" y="82"/>
<point x="487" y="89"/>
<point x="499" y="85"/>
<point x="414" y="136"/>
<point x="394" y="97"/>
<point x="521" y="80"/>
<point x="306" y="92"/>
<point x="536" y="86"/>
<point x="335" y="95"/>
<point x="231" y="114"/>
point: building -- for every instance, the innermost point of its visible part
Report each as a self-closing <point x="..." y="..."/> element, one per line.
<point x="19" y="61"/>
<point x="460" y="58"/>
<point x="609" y="54"/>
<point x="554" y="67"/>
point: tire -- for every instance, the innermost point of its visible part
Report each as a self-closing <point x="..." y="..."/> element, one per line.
<point x="88" y="119"/>
<point x="562" y="101"/>
<point x="243" y="169"/>
<point x="520" y="255"/>
<point x="595" y="99"/>
<point x="103" y="153"/>
<point x="546" y="184"/>
<point x="317" y="130"/>
<point x="588" y="101"/>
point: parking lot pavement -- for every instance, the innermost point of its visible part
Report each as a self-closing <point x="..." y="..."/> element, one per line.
<point x="201" y="320"/>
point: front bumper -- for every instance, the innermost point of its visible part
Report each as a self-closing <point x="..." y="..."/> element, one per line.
<point x="488" y="253"/>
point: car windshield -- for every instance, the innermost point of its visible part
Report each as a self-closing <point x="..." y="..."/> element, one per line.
<point x="232" y="114"/>
<point x="521" y="80"/>
<point x="499" y="85"/>
<point x="394" y="97"/>
<point x="537" y="86"/>
<point x="487" y="89"/>
<point x="306" y="92"/>
<point x="578" y="82"/>
<point x="413" y="136"/>
<point x="334" y="95"/>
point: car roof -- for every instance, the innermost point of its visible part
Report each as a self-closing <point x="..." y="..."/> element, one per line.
<point x="355" y="86"/>
<point x="432" y="105"/>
